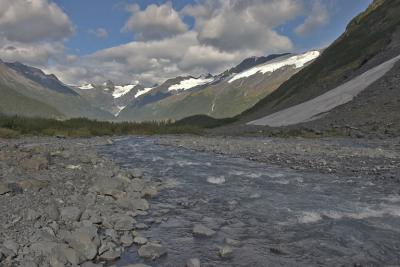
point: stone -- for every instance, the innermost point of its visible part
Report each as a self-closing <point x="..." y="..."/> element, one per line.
<point x="11" y="245"/>
<point x="91" y="264"/>
<point x="124" y="223"/>
<point x="149" y="192"/>
<point x="36" y="163"/>
<point x="4" y="189"/>
<point x="70" y="214"/>
<point x="136" y="265"/>
<point x="43" y="248"/>
<point x="32" y="215"/>
<point x="52" y="212"/>
<point x="152" y="251"/>
<point x="140" y="240"/>
<point x="28" y="263"/>
<point x="193" y="263"/>
<point x="225" y="252"/>
<point x="33" y="185"/>
<point x="85" y="241"/>
<point x="92" y="216"/>
<point x="127" y="239"/>
<point x="202" y="231"/>
<point x="141" y="226"/>
<point x="133" y="203"/>
<point x="232" y="242"/>
<point x="110" y="255"/>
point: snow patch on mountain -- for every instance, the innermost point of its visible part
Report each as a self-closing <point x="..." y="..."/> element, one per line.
<point x="189" y="83"/>
<point x="297" y="61"/>
<point x="86" y="87"/>
<point x="122" y="90"/>
<point x="142" y="92"/>
<point x="120" y="108"/>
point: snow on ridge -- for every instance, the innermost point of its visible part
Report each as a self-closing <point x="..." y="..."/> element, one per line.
<point x="120" y="108"/>
<point x="142" y="92"/>
<point x="86" y="87"/>
<point x="189" y="83"/>
<point x="122" y="90"/>
<point x="298" y="61"/>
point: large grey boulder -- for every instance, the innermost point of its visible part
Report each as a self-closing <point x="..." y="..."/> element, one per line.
<point x="124" y="223"/>
<point x="70" y="214"/>
<point x="152" y="251"/>
<point x="85" y="241"/>
<point x="202" y="231"/>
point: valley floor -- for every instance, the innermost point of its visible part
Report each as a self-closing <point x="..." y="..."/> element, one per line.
<point x="85" y="202"/>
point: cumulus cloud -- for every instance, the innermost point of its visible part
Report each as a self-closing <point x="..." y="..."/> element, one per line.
<point x="99" y="33"/>
<point x="319" y="16"/>
<point x="232" y="25"/>
<point x="154" y="22"/>
<point x="31" y="21"/>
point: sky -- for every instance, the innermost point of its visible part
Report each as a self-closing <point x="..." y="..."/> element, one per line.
<point x="149" y="41"/>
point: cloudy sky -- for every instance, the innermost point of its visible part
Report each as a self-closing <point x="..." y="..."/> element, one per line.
<point x="84" y="41"/>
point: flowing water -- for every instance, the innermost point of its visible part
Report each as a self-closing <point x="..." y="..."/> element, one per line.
<point x="280" y="216"/>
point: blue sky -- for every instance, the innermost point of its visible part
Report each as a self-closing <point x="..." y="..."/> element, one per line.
<point x="84" y="41"/>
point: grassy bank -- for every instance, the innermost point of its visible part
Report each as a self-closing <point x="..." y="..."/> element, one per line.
<point x="16" y="126"/>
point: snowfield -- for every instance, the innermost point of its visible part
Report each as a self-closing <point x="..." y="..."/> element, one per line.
<point x="122" y="90"/>
<point x="297" y="61"/>
<point x="142" y="92"/>
<point x="86" y="87"/>
<point x="189" y="83"/>
<point x="310" y="110"/>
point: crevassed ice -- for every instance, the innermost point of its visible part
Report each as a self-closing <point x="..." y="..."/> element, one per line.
<point x="122" y="90"/>
<point x="298" y="61"/>
<point x="189" y="83"/>
<point x="86" y="87"/>
<point x="143" y="91"/>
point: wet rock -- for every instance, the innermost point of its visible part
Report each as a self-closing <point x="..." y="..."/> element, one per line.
<point x="149" y="192"/>
<point x="141" y="226"/>
<point x="193" y="263"/>
<point x="137" y="265"/>
<point x="91" y="264"/>
<point x="124" y="223"/>
<point x="86" y="241"/>
<point x="70" y="214"/>
<point x="140" y="240"/>
<point x="232" y="242"/>
<point x="4" y="189"/>
<point x="36" y="163"/>
<point x="110" y="255"/>
<point x="133" y="203"/>
<point x="127" y="239"/>
<point x="225" y="252"/>
<point x="152" y="251"/>
<point x="202" y="231"/>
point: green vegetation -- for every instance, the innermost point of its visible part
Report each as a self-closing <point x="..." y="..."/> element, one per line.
<point x="15" y="126"/>
<point x="204" y="121"/>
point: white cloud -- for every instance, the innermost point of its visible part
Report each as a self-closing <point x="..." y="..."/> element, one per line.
<point x="319" y="16"/>
<point x="154" y="22"/>
<point x="31" y="21"/>
<point x="99" y="33"/>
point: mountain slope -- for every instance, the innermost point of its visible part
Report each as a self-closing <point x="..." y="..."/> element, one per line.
<point x="31" y="98"/>
<point x="370" y="39"/>
<point x="225" y="95"/>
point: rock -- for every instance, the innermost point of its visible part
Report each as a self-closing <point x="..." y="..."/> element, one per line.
<point x="193" y="263"/>
<point x="133" y="203"/>
<point x="110" y="255"/>
<point x="136" y="265"/>
<point x="32" y="215"/>
<point x="64" y="253"/>
<point x="152" y="251"/>
<point x="70" y="214"/>
<point x="141" y="226"/>
<point x="43" y="248"/>
<point x="225" y="252"/>
<point x="127" y="239"/>
<point x="202" y="231"/>
<point x="28" y="263"/>
<point x="124" y="223"/>
<point x="91" y="264"/>
<point x="92" y="216"/>
<point x="36" y="163"/>
<point x="231" y="242"/>
<point x="33" y="185"/>
<point x="4" y="189"/>
<point x="52" y="212"/>
<point x="11" y="245"/>
<point x="140" y="240"/>
<point x="85" y="241"/>
<point x="109" y="187"/>
<point x="149" y="192"/>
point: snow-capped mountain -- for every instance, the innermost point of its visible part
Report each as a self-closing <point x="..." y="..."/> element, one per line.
<point x="223" y="95"/>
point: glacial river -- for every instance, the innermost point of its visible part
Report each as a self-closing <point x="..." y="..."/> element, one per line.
<point x="281" y="217"/>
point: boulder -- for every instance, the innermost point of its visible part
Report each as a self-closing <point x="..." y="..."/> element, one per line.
<point x="152" y="251"/>
<point x="70" y="214"/>
<point x="140" y="240"/>
<point x="193" y="263"/>
<point x="36" y="163"/>
<point x="225" y="252"/>
<point x="202" y="231"/>
<point x="86" y="241"/>
<point x="4" y="189"/>
<point x="124" y="223"/>
<point x="127" y="239"/>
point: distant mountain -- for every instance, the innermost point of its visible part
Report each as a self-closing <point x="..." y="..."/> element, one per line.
<point x="224" y="95"/>
<point x="370" y="39"/>
<point x="28" y="91"/>
<point x="48" y="81"/>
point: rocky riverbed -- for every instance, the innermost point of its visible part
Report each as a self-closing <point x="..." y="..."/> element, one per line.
<point x="62" y="204"/>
